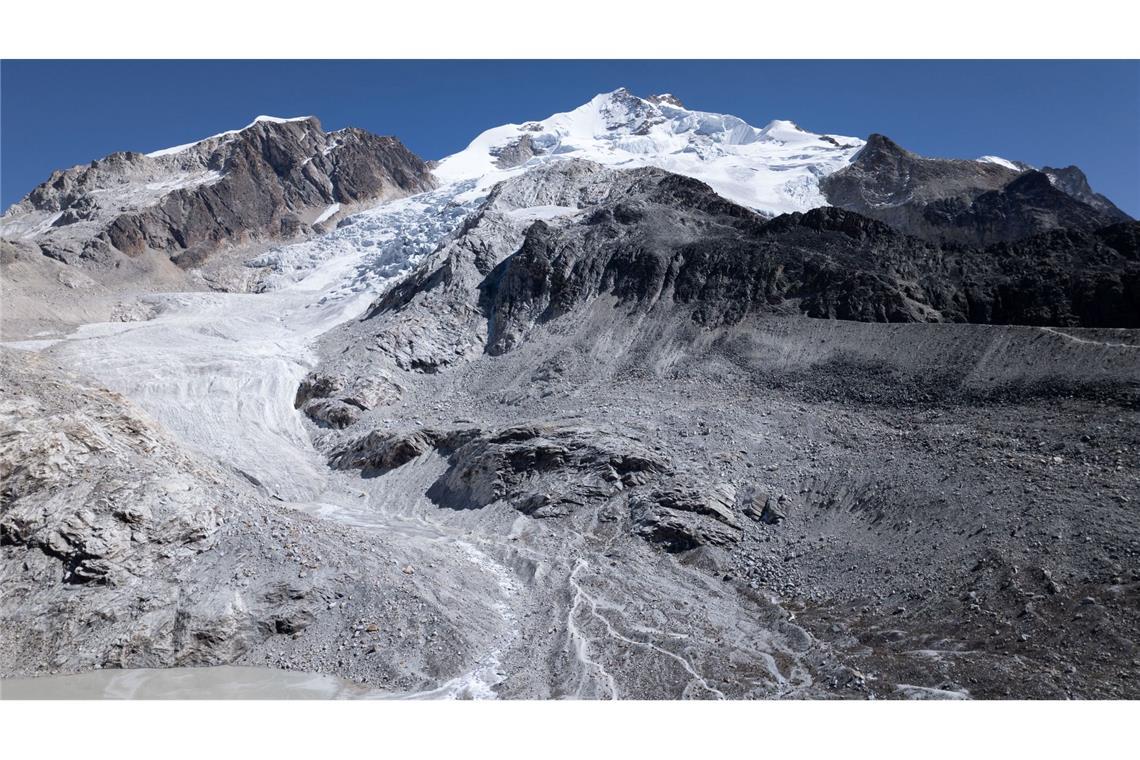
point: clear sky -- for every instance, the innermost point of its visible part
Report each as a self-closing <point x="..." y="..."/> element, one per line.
<point x="55" y="114"/>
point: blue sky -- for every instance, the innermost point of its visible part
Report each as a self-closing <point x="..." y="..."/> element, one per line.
<point x="55" y="114"/>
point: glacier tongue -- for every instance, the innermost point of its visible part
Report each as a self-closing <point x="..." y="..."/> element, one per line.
<point x="774" y="169"/>
<point x="221" y="370"/>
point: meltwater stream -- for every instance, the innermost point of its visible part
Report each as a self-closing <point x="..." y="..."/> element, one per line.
<point x="220" y="371"/>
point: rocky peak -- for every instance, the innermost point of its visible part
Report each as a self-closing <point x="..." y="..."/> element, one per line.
<point x="666" y="98"/>
<point x="623" y="111"/>
<point x="1031" y="183"/>
<point x="274" y="178"/>
<point x="1073" y="182"/>
<point x="881" y="145"/>
<point x="884" y="175"/>
<point x="1030" y="204"/>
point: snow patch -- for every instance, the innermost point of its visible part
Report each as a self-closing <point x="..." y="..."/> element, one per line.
<point x="334" y="208"/>
<point x="27" y="226"/>
<point x="544" y="213"/>
<point x="187" y="146"/>
<point x="1000" y="162"/>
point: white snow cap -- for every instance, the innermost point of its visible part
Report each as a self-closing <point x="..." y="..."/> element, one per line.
<point x="1000" y="162"/>
<point x="188" y="146"/>
<point x="276" y="120"/>
<point x="774" y="169"/>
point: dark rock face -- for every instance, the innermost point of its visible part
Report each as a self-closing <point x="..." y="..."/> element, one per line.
<point x="683" y="518"/>
<point x="671" y="242"/>
<point x="1028" y="205"/>
<point x="667" y="99"/>
<point x="517" y="153"/>
<point x="538" y="469"/>
<point x="1073" y="182"/>
<point x="892" y="184"/>
<point x="968" y="202"/>
<point x="336" y="402"/>
<point x="545" y="470"/>
<point x="261" y="182"/>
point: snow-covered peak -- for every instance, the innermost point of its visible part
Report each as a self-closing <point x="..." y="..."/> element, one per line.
<point x="229" y="133"/>
<point x="276" y="120"/>
<point x="774" y="169"/>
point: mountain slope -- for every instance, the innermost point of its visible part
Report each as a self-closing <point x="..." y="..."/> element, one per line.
<point x="572" y="241"/>
<point x="656" y="240"/>
<point x="973" y="202"/>
<point x="274" y="179"/>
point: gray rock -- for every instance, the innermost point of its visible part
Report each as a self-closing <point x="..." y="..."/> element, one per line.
<point x="961" y="201"/>
<point x="772" y="513"/>
<point x="683" y="518"/>
<point x="258" y="183"/>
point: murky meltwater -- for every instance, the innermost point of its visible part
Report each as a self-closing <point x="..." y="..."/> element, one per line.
<point x="231" y="682"/>
<point x="222" y="682"/>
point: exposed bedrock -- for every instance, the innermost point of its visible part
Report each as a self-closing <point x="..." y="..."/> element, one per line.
<point x="544" y="470"/>
<point x="121" y="548"/>
<point x="272" y="180"/>
<point x="964" y="201"/>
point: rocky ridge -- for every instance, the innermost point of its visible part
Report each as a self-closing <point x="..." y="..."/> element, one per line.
<point x="653" y="240"/>
<point x="973" y="202"/>
<point x="275" y="179"/>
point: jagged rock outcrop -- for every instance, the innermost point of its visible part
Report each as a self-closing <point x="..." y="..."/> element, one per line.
<point x="336" y="401"/>
<point x="1072" y="181"/>
<point x="681" y="518"/>
<point x="964" y="201"/>
<point x="96" y="487"/>
<point x="275" y="179"/>
<point x="666" y="98"/>
<point x="535" y="467"/>
<point x="516" y="153"/>
<point x="546" y="471"/>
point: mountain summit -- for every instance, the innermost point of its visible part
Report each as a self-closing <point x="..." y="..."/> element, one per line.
<point x="774" y="169"/>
